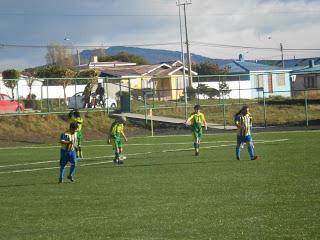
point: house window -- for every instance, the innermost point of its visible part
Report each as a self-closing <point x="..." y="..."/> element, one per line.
<point x="259" y="81"/>
<point x="310" y="82"/>
<point x="179" y="83"/>
<point x="281" y="80"/>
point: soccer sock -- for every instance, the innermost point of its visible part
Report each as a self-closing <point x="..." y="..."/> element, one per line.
<point x="251" y="151"/>
<point x="117" y="155"/>
<point x="238" y="152"/>
<point x="198" y="146"/>
<point x="195" y="146"/>
<point x="61" y="172"/>
<point x="72" y="168"/>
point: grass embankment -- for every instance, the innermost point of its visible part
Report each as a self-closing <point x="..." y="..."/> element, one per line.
<point x="276" y="112"/>
<point x="47" y="128"/>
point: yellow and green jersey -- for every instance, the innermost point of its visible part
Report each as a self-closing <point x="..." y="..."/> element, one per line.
<point x="197" y="120"/>
<point x="78" y="121"/>
<point x="68" y="136"/>
<point x="116" y="129"/>
<point x="244" y="124"/>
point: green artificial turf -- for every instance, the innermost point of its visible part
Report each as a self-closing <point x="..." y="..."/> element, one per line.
<point x="163" y="191"/>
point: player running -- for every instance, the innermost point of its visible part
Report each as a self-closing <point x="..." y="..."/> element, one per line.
<point x="197" y="120"/>
<point x="68" y="141"/>
<point x="116" y="130"/>
<point x="243" y="121"/>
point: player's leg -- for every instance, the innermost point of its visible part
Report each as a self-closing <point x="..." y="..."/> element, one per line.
<point x="79" y="150"/>
<point x="239" y="142"/>
<point x="195" y="142"/>
<point x="250" y="148"/>
<point x="120" y="147"/>
<point x="63" y="163"/>
<point x="73" y="161"/>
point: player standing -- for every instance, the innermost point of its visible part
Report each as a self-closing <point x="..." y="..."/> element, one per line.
<point x="197" y="120"/>
<point x="68" y="141"/>
<point x="116" y="130"/>
<point x="243" y="121"/>
<point x="76" y="118"/>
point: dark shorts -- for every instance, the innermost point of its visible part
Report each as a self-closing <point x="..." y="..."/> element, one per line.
<point x="244" y="139"/>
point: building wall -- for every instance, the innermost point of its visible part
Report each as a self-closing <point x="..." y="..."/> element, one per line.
<point x="279" y="88"/>
<point x="239" y="89"/>
<point x="298" y="83"/>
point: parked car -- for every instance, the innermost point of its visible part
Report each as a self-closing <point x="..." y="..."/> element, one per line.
<point x="78" y="101"/>
<point x="7" y="104"/>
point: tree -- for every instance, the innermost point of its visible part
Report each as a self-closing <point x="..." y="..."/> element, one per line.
<point x="30" y="73"/>
<point x="10" y="79"/>
<point x="191" y="92"/>
<point x="89" y="78"/>
<point x="224" y="88"/>
<point x="207" y="68"/>
<point x="202" y="89"/>
<point x="123" y="57"/>
<point x="61" y="75"/>
<point x="57" y="55"/>
<point x="105" y="58"/>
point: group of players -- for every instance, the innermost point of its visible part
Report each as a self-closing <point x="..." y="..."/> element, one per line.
<point x="71" y="139"/>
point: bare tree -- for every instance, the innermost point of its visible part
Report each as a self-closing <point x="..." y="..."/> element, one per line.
<point x="57" y="54"/>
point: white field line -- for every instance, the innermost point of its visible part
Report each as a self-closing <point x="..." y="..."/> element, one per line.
<point x="181" y="143"/>
<point x="131" y="154"/>
<point x="107" y="145"/>
<point x="127" y="144"/>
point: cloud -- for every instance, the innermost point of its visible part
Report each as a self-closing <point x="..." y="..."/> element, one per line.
<point x="115" y="22"/>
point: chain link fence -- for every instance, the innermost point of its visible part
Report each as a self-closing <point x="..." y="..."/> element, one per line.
<point x="220" y="97"/>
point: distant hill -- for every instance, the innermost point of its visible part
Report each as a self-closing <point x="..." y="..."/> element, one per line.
<point x="153" y="56"/>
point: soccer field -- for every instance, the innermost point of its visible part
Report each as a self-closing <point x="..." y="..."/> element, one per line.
<point x="164" y="192"/>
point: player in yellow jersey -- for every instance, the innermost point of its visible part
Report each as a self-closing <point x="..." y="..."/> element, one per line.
<point x="75" y="117"/>
<point x="243" y="121"/>
<point x="68" y="141"/>
<point x="115" y="133"/>
<point x="197" y="120"/>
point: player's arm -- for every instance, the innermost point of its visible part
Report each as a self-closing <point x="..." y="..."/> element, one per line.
<point x="188" y="122"/>
<point x="124" y="136"/>
<point x="110" y="134"/>
<point x="204" y="122"/>
<point x="237" y="122"/>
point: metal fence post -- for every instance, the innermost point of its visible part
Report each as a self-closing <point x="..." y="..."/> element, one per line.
<point x="224" y="114"/>
<point x="75" y="90"/>
<point x="264" y="110"/>
<point x="306" y="107"/>
<point x="107" y="102"/>
<point x="145" y="109"/>
<point x="48" y="104"/>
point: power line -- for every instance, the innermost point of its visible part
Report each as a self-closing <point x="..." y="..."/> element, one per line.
<point x="251" y="47"/>
<point x="89" y="46"/>
<point x="35" y="14"/>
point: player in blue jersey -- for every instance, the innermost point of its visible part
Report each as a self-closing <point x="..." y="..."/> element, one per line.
<point x="68" y="141"/>
<point x="243" y="121"/>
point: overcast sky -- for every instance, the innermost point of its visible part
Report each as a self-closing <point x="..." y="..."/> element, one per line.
<point x="256" y="23"/>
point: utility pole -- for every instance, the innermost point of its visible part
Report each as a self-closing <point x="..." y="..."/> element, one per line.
<point x="188" y="2"/>
<point x="281" y="49"/>
<point x="183" y="65"/>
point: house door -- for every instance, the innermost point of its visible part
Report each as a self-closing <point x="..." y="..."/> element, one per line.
<point x="270" y="86"/>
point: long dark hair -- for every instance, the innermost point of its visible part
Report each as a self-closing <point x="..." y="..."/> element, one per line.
<point x="242" y="109"/>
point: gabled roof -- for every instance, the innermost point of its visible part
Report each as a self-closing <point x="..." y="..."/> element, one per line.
<point x="134" y="71"/>
<point x="243" y="67"/>
<point x="307" y="70"/>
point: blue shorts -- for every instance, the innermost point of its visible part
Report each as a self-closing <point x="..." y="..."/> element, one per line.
<point x="66" y="156"/>
<point x="244" y="139"/>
